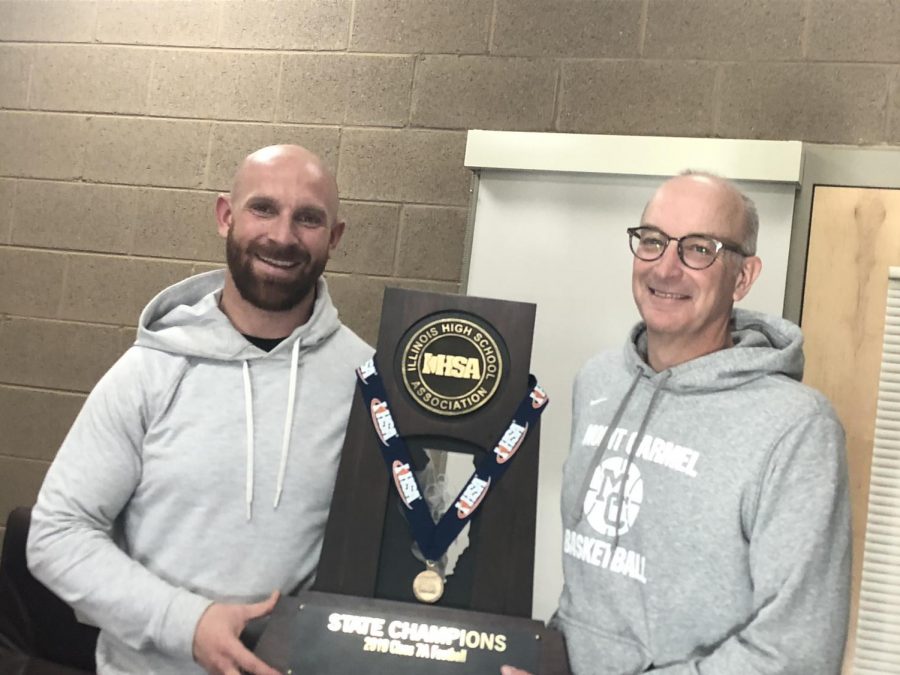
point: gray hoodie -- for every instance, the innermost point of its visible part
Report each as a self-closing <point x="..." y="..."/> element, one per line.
<point x="200" y="469"/>
<point x="706" y="513"/>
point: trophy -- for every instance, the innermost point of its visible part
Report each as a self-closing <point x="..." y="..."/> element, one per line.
<point x="416" y="577"/>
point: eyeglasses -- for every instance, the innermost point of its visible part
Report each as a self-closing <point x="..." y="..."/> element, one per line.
<point x="696" y="251"/>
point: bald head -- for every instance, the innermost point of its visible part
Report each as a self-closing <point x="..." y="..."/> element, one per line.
<point x="687" y="307"/>
<point x="722" y="201"/>
<point x="285" y="160"/>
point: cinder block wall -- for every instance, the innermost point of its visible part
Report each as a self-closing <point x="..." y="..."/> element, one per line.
<point x="120" y="120"/>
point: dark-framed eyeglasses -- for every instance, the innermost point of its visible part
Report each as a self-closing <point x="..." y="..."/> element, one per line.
<point x="697" y="251"/>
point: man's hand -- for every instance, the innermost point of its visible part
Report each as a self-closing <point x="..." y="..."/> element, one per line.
<point x="217" y="646"/>
<point x="509" y="670"/>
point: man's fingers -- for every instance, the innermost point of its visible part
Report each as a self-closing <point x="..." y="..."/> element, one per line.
<point x="272" y="600"/>
<point x="251" y="663"/>
<point x="261" y="608"/>
<point x="257" y="609"/>
<point x="509" y="670"/>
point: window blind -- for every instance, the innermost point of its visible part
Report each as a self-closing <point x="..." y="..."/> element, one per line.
<point x="878" y="624"/>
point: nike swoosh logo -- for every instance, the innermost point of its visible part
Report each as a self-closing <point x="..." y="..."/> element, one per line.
<point x="597" y="400"/>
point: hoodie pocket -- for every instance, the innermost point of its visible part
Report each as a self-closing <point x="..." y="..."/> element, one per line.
<point x="594" y="651"/>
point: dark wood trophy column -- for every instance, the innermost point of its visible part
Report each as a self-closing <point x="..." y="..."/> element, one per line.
<point x="455" y="370"/>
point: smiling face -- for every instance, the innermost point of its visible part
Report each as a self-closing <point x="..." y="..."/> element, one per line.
<point x="280" y="224"/>
<point x="688" y="311"/>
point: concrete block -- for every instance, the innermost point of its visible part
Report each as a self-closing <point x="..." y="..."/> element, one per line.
<point x="56" y="354"/>
<point x="637" y="97"/>
<point x="420" y="166"/>
<point x="480" y="92"/>
<point x="574" y="28"/>
<point x="219" y="85"/>
<point x="47" y="20"/>
<point x="146" y="151"/>
<point x="728" y="30"/>
<point x="232" y="142"/>
<point x="15" y="66"/>
<point x="432" y="240"/>
<point x="73" y="216"/>
<point x="431" y="286"/>
<point x="176" y="224"/>
<point x="346" y="89"/>
<point x="7" y="197"/>
<point x="804" y="102"/>
<point x="21" y="480"/>
<point x="854" y="30"/>
<point x="319" y="25"/>
<point x="41" y="145"/>
<point x="31" y="282"/>
<point x="369" y="240"/>
<point x="159" y="22"/>
<point x="200" y="268"/>
<point x="35" y="422"/>
<point x="358" y="299"/>
<point x="421" y="26"/>
<point x="90" y="78"/>
<point x="107" y="289"/>
<point x="894" y="112"/>
<point x="127" y="337"/>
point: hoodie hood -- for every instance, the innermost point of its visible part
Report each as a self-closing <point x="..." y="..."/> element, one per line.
<point x="185" y="319"/>
<point x="763" y="345"/>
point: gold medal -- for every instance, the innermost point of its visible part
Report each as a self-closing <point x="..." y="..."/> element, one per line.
<point x="428" y="586"/>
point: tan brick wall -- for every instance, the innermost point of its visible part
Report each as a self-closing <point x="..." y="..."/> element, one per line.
<point x="120" y="119"/>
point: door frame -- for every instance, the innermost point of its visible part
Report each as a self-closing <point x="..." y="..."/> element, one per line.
<point x="844" y="166"/>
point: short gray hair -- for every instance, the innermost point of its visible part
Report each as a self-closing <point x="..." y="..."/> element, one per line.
<point x="751" y="215"/>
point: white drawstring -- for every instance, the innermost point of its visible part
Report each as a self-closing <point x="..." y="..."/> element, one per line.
<point x="286" y="437"/>
<point x="248" y="413"/>
<point x="288" y="424"/>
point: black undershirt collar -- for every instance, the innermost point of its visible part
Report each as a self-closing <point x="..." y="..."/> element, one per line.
<point x="266" y="344"/>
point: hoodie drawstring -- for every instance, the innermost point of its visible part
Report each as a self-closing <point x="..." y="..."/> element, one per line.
<point x="637" y="442"/>
<point x="288" y="424"/>
<point x="286" y="436"/>
<point x="601" y="449"/>
<point x="248" y="416"/>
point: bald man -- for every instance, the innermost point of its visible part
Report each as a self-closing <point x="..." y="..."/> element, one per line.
<point x="196" y="481"/>
<point x="705" y="508"/>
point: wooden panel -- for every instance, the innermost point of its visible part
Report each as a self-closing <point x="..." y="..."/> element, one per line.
<point x="366" y="549"/>
<point x="854" y="238"/>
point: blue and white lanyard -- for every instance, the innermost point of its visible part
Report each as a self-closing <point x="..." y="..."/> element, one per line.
<point x="434" y="539"/>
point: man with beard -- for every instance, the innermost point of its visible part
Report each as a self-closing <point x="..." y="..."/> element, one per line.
<point x="195" y="483"/>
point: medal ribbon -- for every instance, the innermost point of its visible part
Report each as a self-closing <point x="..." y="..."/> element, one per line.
<point x="434" y="539"/>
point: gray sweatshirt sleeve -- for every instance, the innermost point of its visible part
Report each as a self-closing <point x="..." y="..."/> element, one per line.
<point x="800" y="548"/>
<point x="70" y="544"/>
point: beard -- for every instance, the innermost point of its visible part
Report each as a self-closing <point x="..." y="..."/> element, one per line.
<point x="269" y="293"/>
